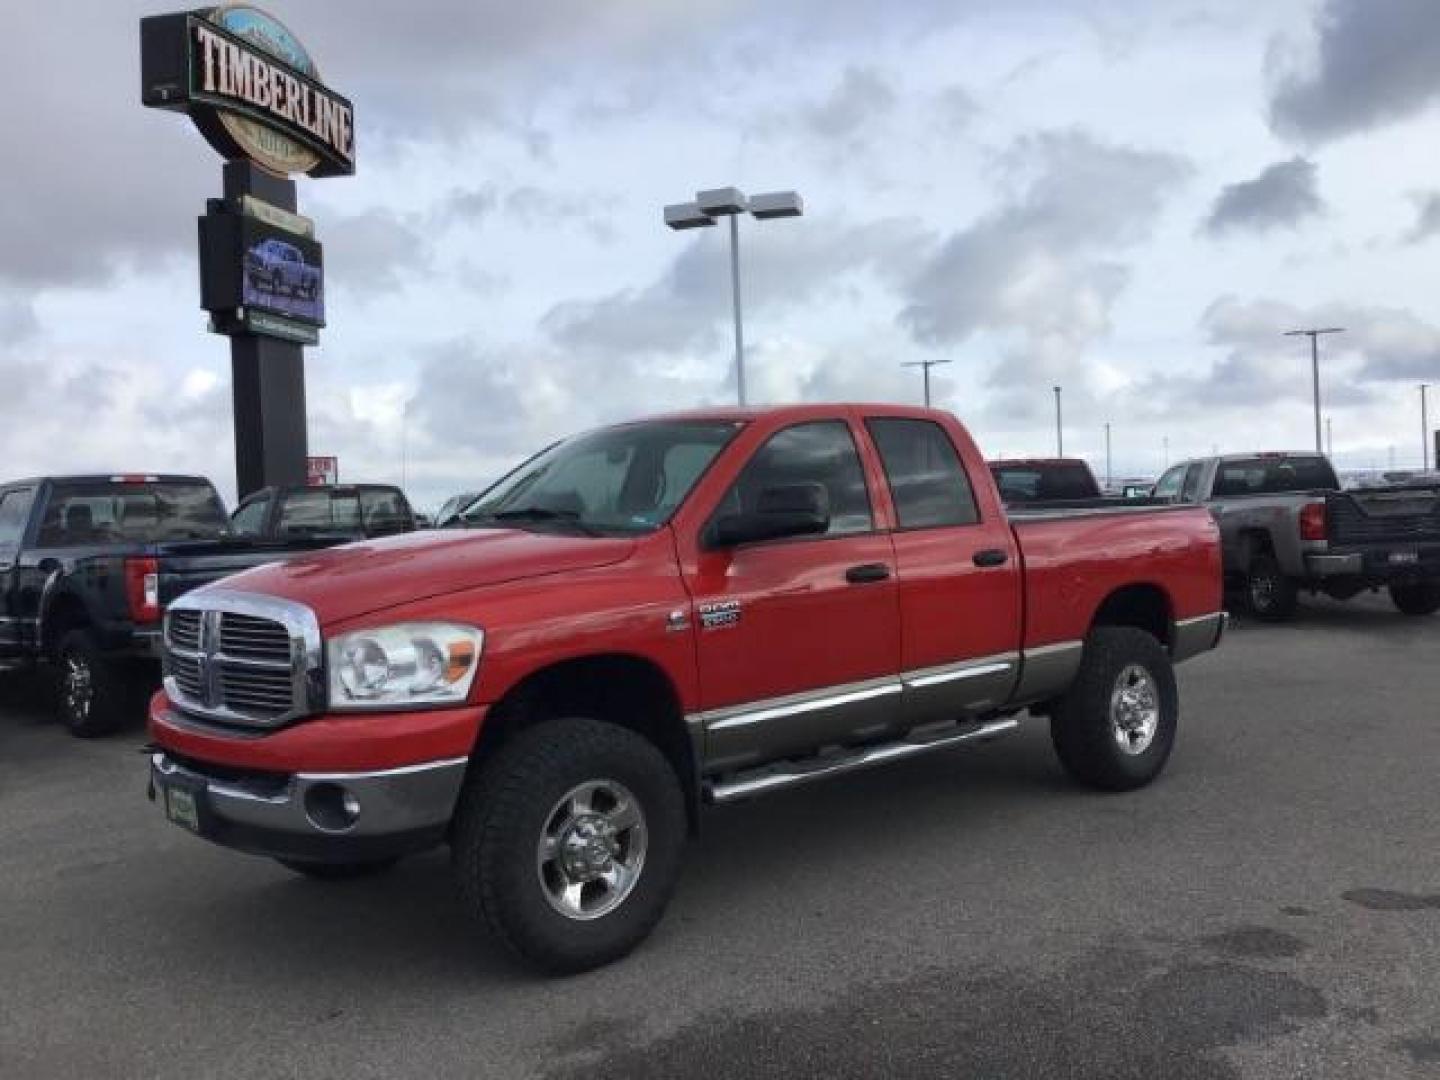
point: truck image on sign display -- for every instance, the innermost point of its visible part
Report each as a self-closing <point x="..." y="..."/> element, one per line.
<point x="656" y="616"/>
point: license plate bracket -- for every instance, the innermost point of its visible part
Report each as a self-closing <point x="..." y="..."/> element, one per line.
<point x="185" y="802"/>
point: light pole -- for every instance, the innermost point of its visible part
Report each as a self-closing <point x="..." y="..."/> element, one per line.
<point x="404" y="443"/>
<point x="926" y="365"/>
<point x="1059" y="428"/>
<point x="1108" y="478"/>
<point x="1329" y="438"/>
<point x="731" y="202"/>
<point x="1165" y="442"/>
<point x="1424" y="430"/>
<point x="1314" y="336"/>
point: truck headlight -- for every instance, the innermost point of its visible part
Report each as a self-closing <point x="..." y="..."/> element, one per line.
<point x="402" y="666"/>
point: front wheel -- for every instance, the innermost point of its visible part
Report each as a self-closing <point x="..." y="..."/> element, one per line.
<point x="1421" y="598"/>
<point x="568" y="841"/>
<point x="1115" y="727"/>
<point x="90" y="690"/>
<point x="1269" y="594"/>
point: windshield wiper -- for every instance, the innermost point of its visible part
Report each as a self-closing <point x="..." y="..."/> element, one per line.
<point x="539" y="514"/>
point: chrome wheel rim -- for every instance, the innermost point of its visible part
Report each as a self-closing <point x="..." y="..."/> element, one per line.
<point x="592" y="849"/>
<point x="79" y="687"/>
<point x="1134" y="710"/>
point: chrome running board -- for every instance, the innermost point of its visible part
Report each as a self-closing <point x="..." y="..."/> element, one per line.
<point x="789" y="773"/>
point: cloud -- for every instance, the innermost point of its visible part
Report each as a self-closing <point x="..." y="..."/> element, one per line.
<point x="375" y="251"/>
<point x="861" y="98"/>
<point x="1427" y="217"/>
<point x="1283" y="195"/>
<point x="1374" y="62"/>
<point x="1385" y="343"/>
<point x="686" y="306"/>
<point x="1039" y="270"/>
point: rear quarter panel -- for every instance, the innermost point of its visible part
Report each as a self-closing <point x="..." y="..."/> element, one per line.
<point x="1074" y="562"/>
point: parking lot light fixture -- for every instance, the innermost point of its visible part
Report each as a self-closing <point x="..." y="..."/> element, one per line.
<point x="1314" y="336"/>
<point x="731" y="202"/>
<point x="926" y="365"/>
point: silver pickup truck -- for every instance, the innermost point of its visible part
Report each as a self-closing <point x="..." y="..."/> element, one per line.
<point x="1286" y="525"/>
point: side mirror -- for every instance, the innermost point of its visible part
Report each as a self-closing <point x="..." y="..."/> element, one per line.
<point x="781" y="511"/>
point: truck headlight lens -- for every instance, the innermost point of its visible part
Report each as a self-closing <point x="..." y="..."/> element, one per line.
<point x="403" y="666"/>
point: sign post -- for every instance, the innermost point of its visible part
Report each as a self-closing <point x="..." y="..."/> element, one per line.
<point x="255" y="94"/>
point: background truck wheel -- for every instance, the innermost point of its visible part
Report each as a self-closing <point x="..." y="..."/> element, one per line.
<point x="567" y="842"/>
<point x="91" y="690"/>
<point x="1421" y="598"/>
<point x="1269" y="594"/>
<point x="1114" y="729"/>
<point x="345" y="871"/>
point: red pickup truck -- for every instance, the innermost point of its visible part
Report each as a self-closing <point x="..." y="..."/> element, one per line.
<point x="651" y="617"/>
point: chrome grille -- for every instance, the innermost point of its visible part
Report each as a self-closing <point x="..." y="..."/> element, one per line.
<point x="241" y="659"/>
<point x="184" y="630"/>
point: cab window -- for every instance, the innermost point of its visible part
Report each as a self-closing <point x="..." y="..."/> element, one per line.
<point x="1169" y="485"/>
<point x="819" y="452"/>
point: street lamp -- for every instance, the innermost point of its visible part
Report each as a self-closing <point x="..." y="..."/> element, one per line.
<point x="926" y="365"/>
<point x="1059" y="430"/>
<point x="1314" y="336"/>
<point x="1108" y="480"/>
<point x="731" y="202"/>
<point x="1424" y="430"/>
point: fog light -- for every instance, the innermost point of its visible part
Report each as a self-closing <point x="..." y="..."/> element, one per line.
<point x="331" y="808"/>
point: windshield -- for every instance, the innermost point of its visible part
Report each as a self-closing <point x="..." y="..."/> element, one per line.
<point x="116" y="512"/>
<point x="619" y="480"/>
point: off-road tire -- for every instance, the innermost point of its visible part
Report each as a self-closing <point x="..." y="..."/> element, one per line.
<point x="342" y="871"/>
<point x="1082" y="727"/>
<point x="1420" y="598"/>
<point x="92" y="693"/>
<point x="504" y="810"/>
<point x="1269" y="594"/>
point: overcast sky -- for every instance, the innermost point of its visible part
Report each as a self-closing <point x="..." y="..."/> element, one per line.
<point x="1130" y="198"/>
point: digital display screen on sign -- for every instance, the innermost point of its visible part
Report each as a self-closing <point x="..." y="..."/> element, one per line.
<point x="283" y="273"/>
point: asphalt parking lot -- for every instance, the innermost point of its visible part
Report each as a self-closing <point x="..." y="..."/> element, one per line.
<point x="1270" y="908"/>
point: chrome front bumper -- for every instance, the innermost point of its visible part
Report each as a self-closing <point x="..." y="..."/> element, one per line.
<point x="326" y="817"/>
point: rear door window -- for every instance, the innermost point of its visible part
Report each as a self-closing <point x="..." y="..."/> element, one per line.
<point x="927" y="481"/>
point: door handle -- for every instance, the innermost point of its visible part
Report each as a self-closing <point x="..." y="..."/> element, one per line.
<point x="991" y="557"/>
<point x="867" y="572"/>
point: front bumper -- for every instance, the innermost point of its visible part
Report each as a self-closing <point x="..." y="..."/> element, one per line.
<point x="322" y="817"/>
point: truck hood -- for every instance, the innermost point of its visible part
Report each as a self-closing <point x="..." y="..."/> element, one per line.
<point x="343" y="582"/>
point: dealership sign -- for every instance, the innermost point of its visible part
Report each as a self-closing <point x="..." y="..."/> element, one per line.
<point x="251" y="88"/>
<point x="322" y="471"/>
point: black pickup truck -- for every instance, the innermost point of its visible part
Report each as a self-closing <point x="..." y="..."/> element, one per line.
<point x="337" y="512"/>
<point x="87" y="567"/>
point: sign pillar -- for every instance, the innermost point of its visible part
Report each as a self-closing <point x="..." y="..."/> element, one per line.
<point x="267" y="374"/>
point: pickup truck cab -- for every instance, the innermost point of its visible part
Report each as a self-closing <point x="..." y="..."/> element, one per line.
<point x="1287" y="526"/>
<point x="654" y="616"/>
<point x="87" y="566"/>
<point x="337" y="511"/>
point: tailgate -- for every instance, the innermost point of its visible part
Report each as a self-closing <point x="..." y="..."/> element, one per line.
<point x="1406" y="516"/>
<point x="182" y="572"/>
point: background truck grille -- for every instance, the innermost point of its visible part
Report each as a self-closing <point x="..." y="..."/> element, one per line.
<point x="235" y="666"/>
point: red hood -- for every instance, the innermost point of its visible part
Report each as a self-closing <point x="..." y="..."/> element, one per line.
<point x="354" y="579"/>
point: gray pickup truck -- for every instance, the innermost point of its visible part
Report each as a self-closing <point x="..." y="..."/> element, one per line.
<point x="1286" y="525"/>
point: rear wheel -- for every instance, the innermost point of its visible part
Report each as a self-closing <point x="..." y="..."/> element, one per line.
<point x="91" y="690"/>
<point x="568" y="842"/>
<point x="1114" y="729"/>
<point x="1421" y="598"/>
<point x="1269" y="594"/>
